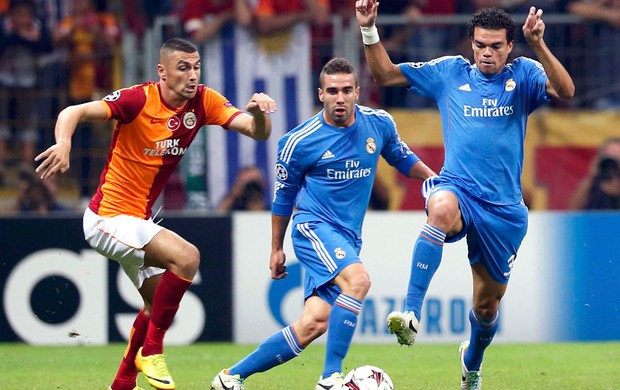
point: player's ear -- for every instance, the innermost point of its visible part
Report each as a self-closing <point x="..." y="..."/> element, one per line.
<point x="320" y="94"/>
<point x="511" y="44"/>
<point x="161" y="72"/>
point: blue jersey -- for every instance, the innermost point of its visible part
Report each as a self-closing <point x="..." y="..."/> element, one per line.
<point x="484" y="120"/>
<point x="327" y="172"/>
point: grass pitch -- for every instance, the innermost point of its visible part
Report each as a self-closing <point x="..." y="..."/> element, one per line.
<point x="571" y="366"/>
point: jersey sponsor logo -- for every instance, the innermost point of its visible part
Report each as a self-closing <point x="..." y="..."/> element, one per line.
<point x="465" y="87"/>
<point x="281" y="172"/>
<point x="189" y="120"/>
<point x="327" y="154"/>
<point x="112" y="96"/>
<point x="173" y="123"/>
<point x="489" y="109"/>
<point x="371" y="147"/>
<point x="166" y="147"/>
<point x="352" y="171"/>
<point x="510" y="85"/>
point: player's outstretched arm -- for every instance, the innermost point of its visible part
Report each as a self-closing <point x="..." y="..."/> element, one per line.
<point x="56" y="158"/>
<point x="258" y="124"/>
<point x="559" y="84"/>
<point x="383" y="70"/>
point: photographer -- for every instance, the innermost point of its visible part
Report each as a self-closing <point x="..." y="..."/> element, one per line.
<point x="600" y="190"/>
<point x="247" y="193"/>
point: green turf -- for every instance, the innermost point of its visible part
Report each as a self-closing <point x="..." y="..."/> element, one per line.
<point x="507" y="366"/>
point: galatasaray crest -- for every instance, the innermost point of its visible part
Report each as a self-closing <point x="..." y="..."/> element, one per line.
<point x="189" y="120"/>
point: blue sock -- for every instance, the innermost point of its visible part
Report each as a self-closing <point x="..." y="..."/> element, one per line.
<point x="277" y="349"/>
<point x="340" y="329"/>
<point x="482" y="333"/>
<point x="426" y="259"/>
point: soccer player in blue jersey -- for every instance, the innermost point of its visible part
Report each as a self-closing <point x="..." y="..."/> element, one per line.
<point x="325" y="170"/>
<point x="484" y="108"/>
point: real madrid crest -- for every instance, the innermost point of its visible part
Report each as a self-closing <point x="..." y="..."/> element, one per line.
<point x="340" y="253"/>
<point x="510" y="85"/>
<point x="371" y="147"/>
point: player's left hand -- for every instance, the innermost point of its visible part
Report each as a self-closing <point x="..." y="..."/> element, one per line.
<point x="534" y="27"/>
<point x="366" y="12"/>
<point x="261" y="103"/>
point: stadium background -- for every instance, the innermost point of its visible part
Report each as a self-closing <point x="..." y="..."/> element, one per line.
<point x="55" y="290"/>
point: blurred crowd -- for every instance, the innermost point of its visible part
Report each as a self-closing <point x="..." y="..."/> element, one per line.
<point x="52" y="53"/>
<point x="59" y="52"/>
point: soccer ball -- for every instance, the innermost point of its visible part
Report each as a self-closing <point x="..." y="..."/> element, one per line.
<point x="367" y="378"/>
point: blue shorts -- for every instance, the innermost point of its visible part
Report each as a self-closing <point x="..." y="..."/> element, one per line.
<point x="494" y="232"/>
<point x="324" y="251"/>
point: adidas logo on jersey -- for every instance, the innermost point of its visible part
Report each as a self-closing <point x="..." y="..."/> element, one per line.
<point x="327" y="155"/>
<point x="465" y="87"/>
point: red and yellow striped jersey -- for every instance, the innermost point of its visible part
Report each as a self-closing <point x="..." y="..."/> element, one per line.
<point x="149" y="140"/>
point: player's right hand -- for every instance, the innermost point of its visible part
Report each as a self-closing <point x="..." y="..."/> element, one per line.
<point x="277" y="265"/>
<point x="54" y="159"/>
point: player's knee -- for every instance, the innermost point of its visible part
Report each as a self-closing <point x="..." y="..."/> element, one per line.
<point x="194" y="257"/>
<point x="486" y="310"/>
<point x="311" y="328"/>
<point x="354" y="281"/>
<point x="360" y="285"/>
<point x="444" y="214"/>
<point x="318" y="328"/>
<point x="190" y="260"/>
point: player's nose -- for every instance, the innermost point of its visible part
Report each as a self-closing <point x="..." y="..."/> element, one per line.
<point x="194" y="74"/>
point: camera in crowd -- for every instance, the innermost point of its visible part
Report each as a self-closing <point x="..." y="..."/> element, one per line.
<point x="608" y="168"/>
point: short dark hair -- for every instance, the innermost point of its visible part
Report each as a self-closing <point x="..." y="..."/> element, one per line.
<point x="178" y="44"/>
<point x="493" y="19"/>
<point x="335" y="66"/>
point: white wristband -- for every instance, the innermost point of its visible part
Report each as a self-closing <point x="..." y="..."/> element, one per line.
<point x="370" y="35"/>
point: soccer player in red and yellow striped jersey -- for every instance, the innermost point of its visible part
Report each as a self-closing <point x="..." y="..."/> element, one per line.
<point x="156" y="123"/>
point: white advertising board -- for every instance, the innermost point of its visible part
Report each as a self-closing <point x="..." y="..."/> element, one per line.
<point x="263" y="306"/>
